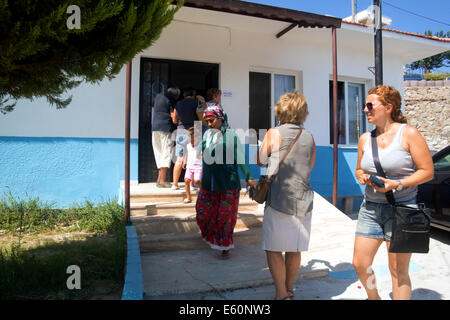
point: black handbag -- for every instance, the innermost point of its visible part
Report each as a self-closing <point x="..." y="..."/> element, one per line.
<point x="410" y="226"/>
<point x="260" y="193"/>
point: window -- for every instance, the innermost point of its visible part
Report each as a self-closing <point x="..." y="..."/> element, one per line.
<point x="443" y="164"/>
<point x="351" y="118"/>
<point x="266" y="87"/>
<point x="282" y="83"/>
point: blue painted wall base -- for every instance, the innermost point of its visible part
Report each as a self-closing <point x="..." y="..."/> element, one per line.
<point x="67" y="170"/>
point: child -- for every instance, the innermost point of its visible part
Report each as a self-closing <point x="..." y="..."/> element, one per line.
<point x="193" y="165"/>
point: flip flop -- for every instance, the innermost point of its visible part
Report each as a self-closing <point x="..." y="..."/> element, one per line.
<point x="186" y="200"/>
<point x="286" y="298"/>
<point x="225" y="254"/>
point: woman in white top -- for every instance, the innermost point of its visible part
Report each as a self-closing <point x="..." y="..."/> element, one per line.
<point x="406" y="161"/>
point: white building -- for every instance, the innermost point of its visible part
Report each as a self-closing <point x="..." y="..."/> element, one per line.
<point x="76" y="153"/>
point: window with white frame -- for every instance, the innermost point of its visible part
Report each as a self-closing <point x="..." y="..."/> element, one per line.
<point x="266" y="86"/>
<point x="282" y="83"/>
<point x="351" y="118"/>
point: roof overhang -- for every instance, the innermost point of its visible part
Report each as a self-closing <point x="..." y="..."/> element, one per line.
<point x="409" y="47"/>
<point x="296" y="18"/>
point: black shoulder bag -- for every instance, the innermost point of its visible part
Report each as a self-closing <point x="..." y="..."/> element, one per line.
<point x="410" y="226"/>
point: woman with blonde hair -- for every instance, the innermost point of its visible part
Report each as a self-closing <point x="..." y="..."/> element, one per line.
<point x="406" y="161"/>
<point x="288" y="210"/>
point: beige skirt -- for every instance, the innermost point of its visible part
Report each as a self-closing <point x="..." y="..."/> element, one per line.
<point x="285" y="233"/>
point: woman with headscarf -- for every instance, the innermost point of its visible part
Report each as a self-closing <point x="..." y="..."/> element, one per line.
<point x="218" y="199"/>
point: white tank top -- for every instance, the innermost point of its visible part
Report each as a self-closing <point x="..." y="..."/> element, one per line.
<point x="396" y="163"/>
<point x="194" y="159"/>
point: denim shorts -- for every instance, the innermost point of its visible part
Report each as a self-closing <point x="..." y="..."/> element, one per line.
<point x="180" y="144"/>
<point x="375" y="219"/>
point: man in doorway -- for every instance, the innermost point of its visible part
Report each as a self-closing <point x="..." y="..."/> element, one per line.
<point x="162" y="127"/>
<point x="185" y="114"/>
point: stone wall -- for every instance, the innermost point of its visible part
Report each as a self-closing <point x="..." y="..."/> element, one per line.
<point x="427" y="83"/>
<point x="428" y="109"/>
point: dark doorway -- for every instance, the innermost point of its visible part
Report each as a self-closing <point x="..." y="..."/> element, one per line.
<point x="259" y="101"/>
<point x="156" y="77"/>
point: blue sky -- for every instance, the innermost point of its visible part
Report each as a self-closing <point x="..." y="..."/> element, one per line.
<point x="438" y="10"/>
<point x="401" y="20"/>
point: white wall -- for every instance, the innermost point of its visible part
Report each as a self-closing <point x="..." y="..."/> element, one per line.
<point x="238" y="44"/>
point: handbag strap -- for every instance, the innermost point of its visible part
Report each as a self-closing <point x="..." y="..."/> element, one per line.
<point x="389" y="195"/>
<point x="291" y="145"/>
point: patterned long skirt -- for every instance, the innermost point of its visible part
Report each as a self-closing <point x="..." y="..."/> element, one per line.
<point x="216" y="217"/>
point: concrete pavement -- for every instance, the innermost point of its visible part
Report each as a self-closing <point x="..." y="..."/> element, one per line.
<point x="326" y="272"/>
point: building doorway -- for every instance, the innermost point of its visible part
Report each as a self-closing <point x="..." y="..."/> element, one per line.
<point x="156" y="75"/>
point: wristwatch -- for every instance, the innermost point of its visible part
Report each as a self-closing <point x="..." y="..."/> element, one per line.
<point x="400" y="186"/>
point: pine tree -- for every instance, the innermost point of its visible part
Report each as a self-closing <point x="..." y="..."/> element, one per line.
<point x="43" y="53"/>
<point x="434" y="62"/>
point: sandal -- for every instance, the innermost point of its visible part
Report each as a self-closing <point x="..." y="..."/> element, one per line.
<point x="286" y="298"/>
<point x="225" y="254"/>
<point x="186" y="200"/>
<point x="290" y="293"/>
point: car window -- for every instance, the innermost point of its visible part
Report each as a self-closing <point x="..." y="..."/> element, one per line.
<point x="443" y="164"/>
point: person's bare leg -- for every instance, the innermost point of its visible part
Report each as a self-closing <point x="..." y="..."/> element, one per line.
<point x="162" y="175"/>
<point x="363" y="255"/>
<point x="177" y="171"/>
<point x="187" y="187"/>
<point x="277" y="269"/>
<point x="159" y="176"/>
<point x="399" y="268"/>
<point x="292" y="261"/>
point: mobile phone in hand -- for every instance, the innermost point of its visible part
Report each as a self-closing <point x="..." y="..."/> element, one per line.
<point x="376" y="181"/>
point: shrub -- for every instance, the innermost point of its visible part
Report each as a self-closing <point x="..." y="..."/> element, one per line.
<point x="436" y="76"/>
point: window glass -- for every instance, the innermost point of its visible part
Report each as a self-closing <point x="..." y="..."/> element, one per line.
<point x="356" y="121"/>
<point x="282" y="84"/>
<point x="443" y="164"/>
<point x="351" y="118"/>
<point x="341" y="113"/>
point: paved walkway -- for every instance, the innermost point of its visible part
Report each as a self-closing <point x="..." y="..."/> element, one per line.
<point x="326" y="271"/>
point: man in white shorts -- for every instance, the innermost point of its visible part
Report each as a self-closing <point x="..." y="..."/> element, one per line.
<point x="162" y="127"/>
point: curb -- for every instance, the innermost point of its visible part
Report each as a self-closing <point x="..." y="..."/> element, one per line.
<point x="133" y="288"/>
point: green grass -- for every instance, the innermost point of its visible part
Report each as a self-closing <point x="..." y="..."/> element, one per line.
<point x="38" y="243"/>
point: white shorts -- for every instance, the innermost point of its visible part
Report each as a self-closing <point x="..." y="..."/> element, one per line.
<point x="162" y="148"/>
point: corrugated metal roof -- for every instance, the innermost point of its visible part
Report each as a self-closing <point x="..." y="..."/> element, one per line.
<point x="300" y="18"/>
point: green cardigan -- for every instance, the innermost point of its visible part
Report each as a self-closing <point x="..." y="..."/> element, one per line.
<point x="218" y="173"/>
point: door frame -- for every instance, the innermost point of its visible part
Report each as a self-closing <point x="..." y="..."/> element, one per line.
<point x="170" y="62"/>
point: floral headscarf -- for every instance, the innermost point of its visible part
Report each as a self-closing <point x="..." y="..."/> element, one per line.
<point x="212" y="136"/>
<point x="217" y="112"/>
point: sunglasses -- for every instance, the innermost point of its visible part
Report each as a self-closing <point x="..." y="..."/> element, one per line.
<point x="368" y="105"/>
